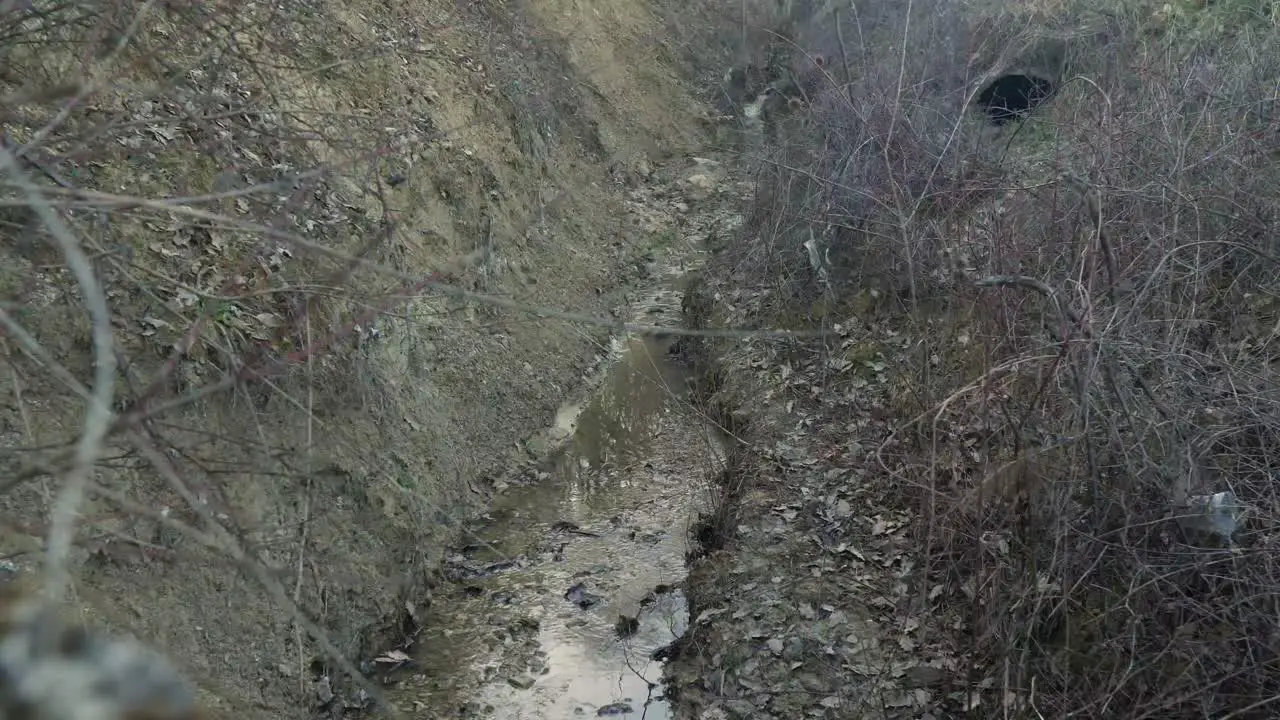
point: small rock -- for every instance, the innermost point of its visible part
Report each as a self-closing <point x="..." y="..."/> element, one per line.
<point x="521" y="681"/>
<point x="700" y="187"/>
<point x="579" y="596"/>
<point x="775" y="646"/>
<point x="665" y="653"/>
<point x="701" y="181"/>
<point x="617" y="708"/>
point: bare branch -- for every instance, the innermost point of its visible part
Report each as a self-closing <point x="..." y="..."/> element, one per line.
<point x="98" y="417"/>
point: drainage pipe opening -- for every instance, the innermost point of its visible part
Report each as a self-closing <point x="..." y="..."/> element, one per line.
<point x="1013" y="96"/>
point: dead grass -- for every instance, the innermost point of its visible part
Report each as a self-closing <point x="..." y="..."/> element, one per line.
<point x="1093" y="298"/>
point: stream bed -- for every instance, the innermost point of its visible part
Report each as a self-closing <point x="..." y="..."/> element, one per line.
<point x="564" y="595"/>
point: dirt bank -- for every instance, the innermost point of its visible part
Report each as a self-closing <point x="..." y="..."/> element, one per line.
<point x="263" y="192"/>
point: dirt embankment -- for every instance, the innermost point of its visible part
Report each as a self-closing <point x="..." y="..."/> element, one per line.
<point x="320" y="228"/>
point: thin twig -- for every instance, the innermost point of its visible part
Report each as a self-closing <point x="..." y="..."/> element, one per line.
<point x="229" y="545"/>
<point x="98" y="416"/>
<point x="120" y="201"/>
<point x="1034" y="284"/>
<point x="306" y="506"/>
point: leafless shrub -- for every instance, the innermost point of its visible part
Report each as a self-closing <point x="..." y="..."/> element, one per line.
<point x="1094" y="289"/>
<point x="867" y="145"/>
<point x="1155" y="371"/>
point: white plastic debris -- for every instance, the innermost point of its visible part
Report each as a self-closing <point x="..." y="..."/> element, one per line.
<point x="1220" y="514"/>
<point x="816" y="260"/>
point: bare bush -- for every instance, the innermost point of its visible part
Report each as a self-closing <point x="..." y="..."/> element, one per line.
<point x="871" y="142"/>
<point x="1094" y="293"/>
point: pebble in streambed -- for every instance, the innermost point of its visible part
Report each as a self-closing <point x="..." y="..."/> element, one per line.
<point x="578" y="595"/>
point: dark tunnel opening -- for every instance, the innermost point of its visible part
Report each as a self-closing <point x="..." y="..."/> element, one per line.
<point x="1012" y="97"/>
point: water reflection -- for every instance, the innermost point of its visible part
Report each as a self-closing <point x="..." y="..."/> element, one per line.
<point x="617" y="427"/>
<point x="612" y="514"/>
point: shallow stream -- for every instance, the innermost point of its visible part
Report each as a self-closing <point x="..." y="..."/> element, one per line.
<point x="564" y="595"/>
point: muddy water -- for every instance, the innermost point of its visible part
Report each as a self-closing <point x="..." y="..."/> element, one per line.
<point x="568" y="587"/>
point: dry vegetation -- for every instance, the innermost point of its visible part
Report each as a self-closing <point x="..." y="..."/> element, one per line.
<point x="222" y="191"/>
<point x="1075" y="317"/>
<point x="290" y="256"/>
<point x="257" y="281"/>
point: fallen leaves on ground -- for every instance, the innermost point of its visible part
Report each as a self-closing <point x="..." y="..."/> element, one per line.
<point x="814" y="608"/>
